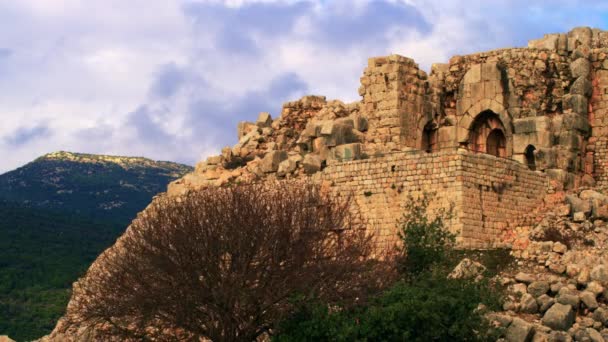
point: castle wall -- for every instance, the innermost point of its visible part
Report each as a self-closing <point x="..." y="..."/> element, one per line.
<point x="598" y="117"/>
<point x="489" y="194"/>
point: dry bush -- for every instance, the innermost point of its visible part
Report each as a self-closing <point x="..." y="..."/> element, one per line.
<point x="225" y="264"/>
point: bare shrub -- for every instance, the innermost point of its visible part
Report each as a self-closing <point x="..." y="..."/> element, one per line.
<point x="225" y="264"/>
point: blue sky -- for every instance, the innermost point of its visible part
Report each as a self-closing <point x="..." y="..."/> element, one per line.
<point x="170" y="79"/>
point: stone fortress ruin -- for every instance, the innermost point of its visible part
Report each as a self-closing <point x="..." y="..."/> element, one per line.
<point x="500" y="134"/>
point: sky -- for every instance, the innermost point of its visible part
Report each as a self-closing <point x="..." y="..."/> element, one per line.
<point x="170" y="79"/>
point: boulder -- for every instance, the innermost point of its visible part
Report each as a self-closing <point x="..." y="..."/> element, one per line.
<point x="559" y="317"/>
<point x="286" y="166"/>
<point x="524" y="278"/>
<point x="560" y="248"/>
<point x="580" y="68"/>
<point x="528" y="304"/>
<point x="559" y="336"/>
<point x="5" y="338"/>
<point x="312" y="163"/>
<point x="544" y="303"/>
<point x="588" y="298"/>
<point x="578" y="205"/>
<point x="600" y="274"/>
<point x="592" y="194"/>
<point x="467" y="269"/>
<point x="538" y="288"/>
<point x="264" y="120"/>
<point x="270" y="162"/>
<point x="595" y="288"/>
<point x="601" y="315"/>
<point x="568" y="297"/>
<point x="579" y="216"/>
<point x="594" y="335"/>
<point x="244" y="127"/>
<point x="519" y="331"/>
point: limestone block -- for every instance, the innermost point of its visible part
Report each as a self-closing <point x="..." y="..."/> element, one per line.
<point x="264" y="120"/>
<point x="546" y="158"/>
<point x="570" y="140"/>
<point x="347" y="152"/>
<point x="549" y="42"/>
<point x="576" y="122"/>
<point x="580" y="68"/>
<point x="341" y="133"/>
<point x="312" y="163"/>
<point x="577" y="103"/>
<point x="582" y="35"/>
<point x="519" y="331"/>
<point x="245" y="127"/>
<point x="360" y="122"/>
<point x="271" y="161"/>
<point x="473" y="75"/>
<point x="286" y="167"/>
<point x="581" y="86"/>
<point x="490" y="72"/>
<point x="559" y="317"/>
<point x="214" y="160"/>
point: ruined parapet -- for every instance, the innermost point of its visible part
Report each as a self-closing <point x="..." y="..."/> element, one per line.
<point x="394" y="92"/>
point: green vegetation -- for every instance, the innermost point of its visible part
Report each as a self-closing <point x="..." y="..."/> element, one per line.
<point x="41" y="253"/>
<point x="56" y="215"/>
<point x="424" y="305"/>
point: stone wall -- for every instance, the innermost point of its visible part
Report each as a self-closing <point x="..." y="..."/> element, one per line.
<point x="489" y="194"/>
<point x="597" y="156"/>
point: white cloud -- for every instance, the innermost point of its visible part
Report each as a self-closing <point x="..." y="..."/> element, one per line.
<point x="110" y="76"/>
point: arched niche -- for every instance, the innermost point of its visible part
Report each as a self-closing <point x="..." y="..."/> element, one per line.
<point x="530" y="155"/>
<point x="430" y="137"/>
<point x="496" y="143"/>
<point x="487" y="135"/>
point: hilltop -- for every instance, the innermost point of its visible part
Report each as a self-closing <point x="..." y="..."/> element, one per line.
<point x="100" y="186"/>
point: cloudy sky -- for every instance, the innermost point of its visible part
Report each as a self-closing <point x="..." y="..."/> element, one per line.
<point x="170" y="79"/>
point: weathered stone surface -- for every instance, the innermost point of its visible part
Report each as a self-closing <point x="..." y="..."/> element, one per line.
<point x="594" y="335"/>
<point x="580" y="68"/>
<point x="524" y="278"/>
<point x="600" y="273"/>
<point x="588" y="298"/>
<point x="519" y="331"/>
<point x="582" y="86"/>
<point x="347" y="152"/>
<point x="312" y="164"/>
<point x="271" y="161"/>
<point x="544" y="303"/>
<point x="559" y="317"/>
<point x="601" y="315"/>
<point x="264" y="120"/>
<point x="528" y="304"/>
<point x="538" y="288"/>
<point x="467" y="269"/>
<point x="5" y="338"/>
<point x="286" y="167"/>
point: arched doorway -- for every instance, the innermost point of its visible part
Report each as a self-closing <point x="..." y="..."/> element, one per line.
<point x="496" y="144"/>
<point x="429" y="137"/>
<point x="530" y="157"/>
<point x="487" y="135"/>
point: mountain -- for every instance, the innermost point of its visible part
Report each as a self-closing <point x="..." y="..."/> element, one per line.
<point x="57" y="214"/>
<point x="98" y="186"/>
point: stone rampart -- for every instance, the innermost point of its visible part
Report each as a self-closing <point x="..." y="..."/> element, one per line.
<point x="489" y="194"/>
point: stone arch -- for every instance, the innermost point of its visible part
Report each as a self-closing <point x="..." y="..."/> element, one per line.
<point x="468" y="118"/>
<point x="429" y="138"/>
<point x="530" y="155"/>
<point x="487" y="134"/>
